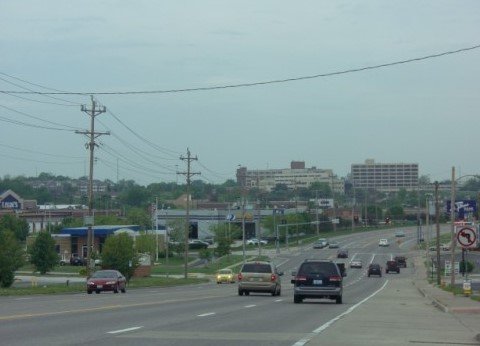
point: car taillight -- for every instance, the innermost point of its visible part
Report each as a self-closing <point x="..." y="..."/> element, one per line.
<point x="301" y="278"/>
<point x="240" y="277"/>
<point x="335" y="278"/>
<point x="273" y="277"/>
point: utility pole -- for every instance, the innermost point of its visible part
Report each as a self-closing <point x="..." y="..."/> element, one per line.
<point x="92" y="113"/>
<point x="188" y="174"/>
<point x="437" y="224"/>
<point x="452" y="231"/>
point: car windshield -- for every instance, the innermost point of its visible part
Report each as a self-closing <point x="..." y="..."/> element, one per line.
<point x="107" y="275"/>
<point x="224" y="271"/>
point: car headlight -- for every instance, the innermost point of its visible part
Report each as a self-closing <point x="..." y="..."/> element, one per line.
<point x="91" y="283"/>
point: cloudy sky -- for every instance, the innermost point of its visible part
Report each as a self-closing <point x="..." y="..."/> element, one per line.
<point x="424" y="112"/>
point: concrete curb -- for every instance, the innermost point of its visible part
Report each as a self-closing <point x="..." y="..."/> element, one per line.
<point x="434" y="301"/>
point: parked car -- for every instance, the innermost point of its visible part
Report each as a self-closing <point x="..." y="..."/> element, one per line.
<point x="383" y="242"/>
<point x="317" y="279"/>
<point x="401" y="261"/>
<point x="342" y="253"/>
<point x="392" y="266"/>
<point x="106" y="280"/>
<point x="255" y="241"/>
<point x="356" y="264"/>
<point x="259" y="276"/>
<point x="374" y="269"/>
<point x="333" y="245"/>
<point x="76" y="260"/>
<point x="197" y="244"/>
<point x="445" y="247"/>
<point x="225" y="275"/>
<point x="399" y="234"/>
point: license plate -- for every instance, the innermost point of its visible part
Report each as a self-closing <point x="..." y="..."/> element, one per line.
<point x="317" y="282"/>
<point x="99" y="286"/>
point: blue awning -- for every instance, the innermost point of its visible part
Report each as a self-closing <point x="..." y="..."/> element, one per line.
<point x="99" y="231"/>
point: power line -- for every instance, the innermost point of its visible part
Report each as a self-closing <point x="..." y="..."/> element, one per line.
<point x="21" y="123"/>
<point x="242" y="85"/>
<point x="38" y="118"/>
<point x="39" y="152"/>
<point x="39" y="93"/>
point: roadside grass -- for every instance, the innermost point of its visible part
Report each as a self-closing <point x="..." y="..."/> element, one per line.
<point x="58" y="269"/>
<point x="80" y="288"/>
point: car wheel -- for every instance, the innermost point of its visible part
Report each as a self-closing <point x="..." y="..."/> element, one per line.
<point x="279" y="293"/>
<point x="97" y="291"/>
<point x="246" y="293"/>
<point x="89" y="291"/>
<point x="240" y="292"/>
<point x="339" y="300"/>
<point x="124" y="289"/>
<point x="297" y="299"/>
<point x="274" y="292"/>
<point x="368" y="275"/>
<point x="115" y="289"/>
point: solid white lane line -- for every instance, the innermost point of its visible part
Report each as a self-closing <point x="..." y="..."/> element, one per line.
<point x="320" y="329"/>
<point x="206" y="314"/>
<point x="124" y="330"/>
<point x="278" y="300"/>
<point x="249" y="306"/>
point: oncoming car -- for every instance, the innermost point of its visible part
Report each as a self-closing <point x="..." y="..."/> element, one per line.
<point x="106" y="280"/>
<point x="383" y="242"/>
<point x="356" y="264"/>
<point x="225" y="275"/>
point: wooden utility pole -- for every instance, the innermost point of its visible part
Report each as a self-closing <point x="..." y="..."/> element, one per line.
<point x="92" y="113"/>
<point x="437" y="224"/>
<point x="188" y="174"/>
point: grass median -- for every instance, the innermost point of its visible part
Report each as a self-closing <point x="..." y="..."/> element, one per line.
<point x="80" y="288"/>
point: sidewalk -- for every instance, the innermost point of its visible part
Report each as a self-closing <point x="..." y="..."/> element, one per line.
<point x="466" y="310"/>
<point x="408" y="311"/>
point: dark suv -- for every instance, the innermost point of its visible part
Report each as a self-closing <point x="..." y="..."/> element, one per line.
<point x="374" y="269"/>
<point x="401" y="261"/>
<point x="392" y="266"/>
<point x="318" y="279"/>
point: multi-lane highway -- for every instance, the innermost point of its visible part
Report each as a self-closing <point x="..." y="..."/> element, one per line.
<point x="207" y="314"/>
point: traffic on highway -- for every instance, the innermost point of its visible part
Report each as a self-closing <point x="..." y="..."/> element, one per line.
<point x="212" y="314"/>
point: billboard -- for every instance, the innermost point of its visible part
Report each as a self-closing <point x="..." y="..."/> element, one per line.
<point x="463" y="208"/>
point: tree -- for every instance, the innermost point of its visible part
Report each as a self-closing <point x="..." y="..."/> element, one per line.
<point x="139" y="216"/>
<point x="119" y="253"/>
<point x="19" y="227"/>
<point x="42" y="253"/>
<point x="224" y="235"/>
<point x="146" y="243"/>
<point x="11" y="257"/>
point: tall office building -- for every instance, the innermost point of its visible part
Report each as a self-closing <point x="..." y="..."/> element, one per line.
<point x="385" y="177"/>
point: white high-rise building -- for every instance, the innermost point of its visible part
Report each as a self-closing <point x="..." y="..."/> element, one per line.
<point x="385" y="176"/>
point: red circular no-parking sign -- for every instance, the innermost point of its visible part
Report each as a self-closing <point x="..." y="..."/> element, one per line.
<point x="467" y="237"/>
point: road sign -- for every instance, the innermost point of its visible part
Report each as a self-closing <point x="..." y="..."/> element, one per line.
<point x="467" y="237"/>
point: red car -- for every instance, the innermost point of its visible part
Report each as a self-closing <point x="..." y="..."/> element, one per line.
<point x="106" y="280"/>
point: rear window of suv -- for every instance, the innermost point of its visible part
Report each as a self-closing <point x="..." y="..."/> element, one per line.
<point x="256" y="268"/>
<point x="325" y="268"/>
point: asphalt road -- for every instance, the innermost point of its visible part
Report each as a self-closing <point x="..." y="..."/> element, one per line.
<point x="207" y="314"/>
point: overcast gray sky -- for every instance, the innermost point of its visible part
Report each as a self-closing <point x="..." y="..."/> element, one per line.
<point x="424" y="112"/>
